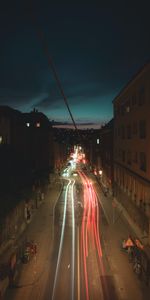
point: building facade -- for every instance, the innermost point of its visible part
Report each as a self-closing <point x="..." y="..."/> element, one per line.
<point x="10" y="127"/>
<point x="132" y="146"/>
<point x="106" y="154"/>
<point x="37" y="145"/>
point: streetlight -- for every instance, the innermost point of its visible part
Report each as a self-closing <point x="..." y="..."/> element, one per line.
<point x="100" y="172"/>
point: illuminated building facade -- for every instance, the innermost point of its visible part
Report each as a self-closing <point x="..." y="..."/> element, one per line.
<point x="132" y="148"/>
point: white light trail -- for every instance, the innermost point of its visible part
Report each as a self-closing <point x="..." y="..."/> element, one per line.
<point x="61" y="241"/>
<point x="73" y="242"/>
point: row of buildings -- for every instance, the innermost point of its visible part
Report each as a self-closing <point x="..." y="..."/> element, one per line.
<point x="120" y="150"/>
<point x="29" y="152"/>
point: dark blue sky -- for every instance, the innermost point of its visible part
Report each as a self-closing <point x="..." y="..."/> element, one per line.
<point x="96" y="49"/>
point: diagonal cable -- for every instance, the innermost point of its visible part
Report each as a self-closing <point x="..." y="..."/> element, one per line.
<point x="44" y="43"/>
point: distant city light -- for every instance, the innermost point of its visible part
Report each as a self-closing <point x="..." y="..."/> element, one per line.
<point x="28" y="124"/>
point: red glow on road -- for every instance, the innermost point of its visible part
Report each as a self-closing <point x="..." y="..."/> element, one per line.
<point x="90" y="226"/>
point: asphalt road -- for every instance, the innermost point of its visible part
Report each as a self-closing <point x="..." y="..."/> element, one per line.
<point x="90" y="276"/>
<point x="72" y="262"/>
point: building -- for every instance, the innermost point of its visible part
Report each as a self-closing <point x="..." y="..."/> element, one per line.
<point x="37" y="144"/>
<point x="106" y="155"/>
<point x="90" y="140"/>
<point x="26" y="153"/>
<point x="10" y="127"/>
<point x="15" y="175"/>
<point x="62" y="145"/>
<point x="131" y="148"/>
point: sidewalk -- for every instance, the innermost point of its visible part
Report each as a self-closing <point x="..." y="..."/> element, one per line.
<point x="32" y="229"/>
<point x="121" y="226"/>
<point x="117" y="208"/>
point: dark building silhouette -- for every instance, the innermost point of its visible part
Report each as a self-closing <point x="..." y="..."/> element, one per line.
<point x="37" y="143"/>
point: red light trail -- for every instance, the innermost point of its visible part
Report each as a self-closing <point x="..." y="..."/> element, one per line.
<point x="90" y="227"/>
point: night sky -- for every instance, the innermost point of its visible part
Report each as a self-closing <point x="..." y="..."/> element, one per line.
<point x="96" y="49"/>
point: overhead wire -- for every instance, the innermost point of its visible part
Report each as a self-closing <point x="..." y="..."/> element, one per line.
<point x="51" y="65"/>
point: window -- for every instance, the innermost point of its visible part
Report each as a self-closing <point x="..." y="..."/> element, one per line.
<point x="97" y="141"/>
<point x="129" y="158"/>
<point x="122" y="110"/>
<point x="135" y="129"/>
<point x="127" y="109"/>
<point x="135" y="157"/>
<point x="129" y="132"/>
<point x="141" y="96"/>
<point x="115" y="111"/>
<point x="122" y="132"/>
<point x="118" y="111"/>
<point x="38" y="124"/>
<point x="119" y="153"/>
<point x="115" y="152"/>
<point x="28" y="124"/>
<point x="142" y="161"/>
<point x="133" y="99"/>
<point x="128" y="106"/>
<point x="142" y="129"/>
<point x="123" y="155"/>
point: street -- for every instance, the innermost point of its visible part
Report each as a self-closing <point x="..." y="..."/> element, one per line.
<point x="77" y="257"/>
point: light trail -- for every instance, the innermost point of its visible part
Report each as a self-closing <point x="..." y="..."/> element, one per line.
<point x="61" y="241"/>
<point x="89" y="230"/>
<point x="90" y="227"/>
<point x="78" y="256"/>
<point x="84" y="258"/>
<point x="96" y="222"/>
<point x="84" y="240"/>
<point x="73" y="241"/>
<point x="70" y="186"/>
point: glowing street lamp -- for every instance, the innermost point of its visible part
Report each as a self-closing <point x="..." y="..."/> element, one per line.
<point x="100" y="172"/>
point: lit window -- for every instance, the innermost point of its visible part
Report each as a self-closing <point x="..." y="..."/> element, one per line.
<point x="128" y="104"/>
<point x="1" y="139"/>
<point x="38" y="124"/>
<point x="97" y="141"/>
<point x="28" y="124"/>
